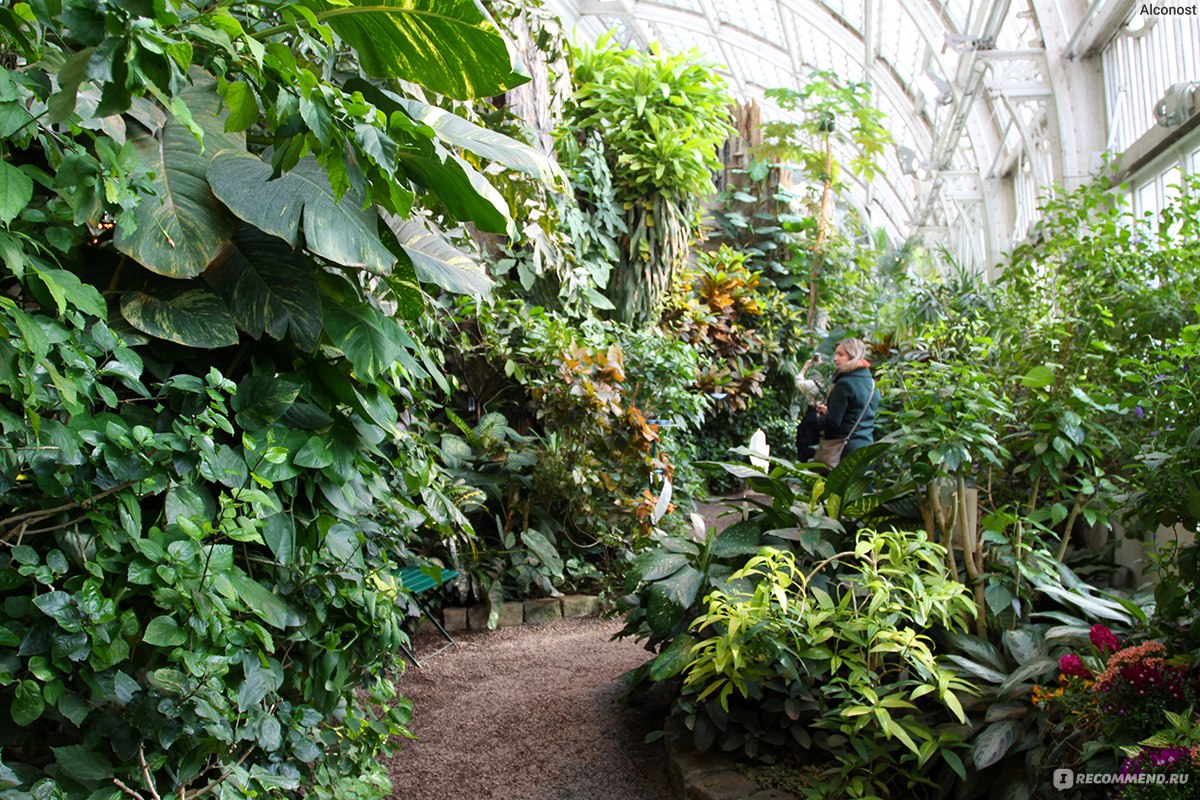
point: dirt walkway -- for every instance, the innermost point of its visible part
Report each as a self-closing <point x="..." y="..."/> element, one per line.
<point x="530" y="713"/>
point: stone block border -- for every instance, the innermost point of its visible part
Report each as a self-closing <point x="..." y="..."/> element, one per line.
<point x="527" y="612"/>
<point x="710" y="776"/>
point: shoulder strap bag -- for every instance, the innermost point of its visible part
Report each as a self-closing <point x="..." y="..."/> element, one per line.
<point x="829" y="451"/>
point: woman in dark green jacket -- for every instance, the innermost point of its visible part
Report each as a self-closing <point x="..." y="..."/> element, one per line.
<point x="852" y="401"/>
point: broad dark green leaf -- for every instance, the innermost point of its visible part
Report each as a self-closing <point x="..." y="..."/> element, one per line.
<point x="662" y="613"/>
<point x="269" y="287"/>
<point x="164" y="631"/>
<point x="27" y="704"/>
<point x="267" y="605"/>
<point x="682" y="587"/>
<point x="189" y="316"/>
<point x="653" y="565"/>
<point x="257" y="683"/>
<point x="438" y="262"/>
<point x="314" y="454"/>
<point x="339" y="230"/>
<point x="263" y="398"/>
<point x="182" y="227"/>
<point x="673" y="658"/>
<point x="739" y="539"/>
<point x="16" y="190"/>
<point x="366" y="336"/>
<point x="546" y="553"/>
<point x="449" y="46"/>
<point x="190" y="501"/>
<point x="279" y="532"/>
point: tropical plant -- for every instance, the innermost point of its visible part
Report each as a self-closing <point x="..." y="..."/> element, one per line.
<point x="834" y="112"/>
<point x="853" y="655"/>
<point x="580" y="457"/>
<point x="205" y="479"/>
<point x="660" y="118"/>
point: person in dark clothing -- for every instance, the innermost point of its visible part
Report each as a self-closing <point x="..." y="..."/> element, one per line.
<point x="807" y="432"/>
<point x="852" y="398"/>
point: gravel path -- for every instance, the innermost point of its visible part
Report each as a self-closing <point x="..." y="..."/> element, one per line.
<point x="530" y="713"/>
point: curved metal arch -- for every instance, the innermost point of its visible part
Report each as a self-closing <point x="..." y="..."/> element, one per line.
<point x="815" y="30"/>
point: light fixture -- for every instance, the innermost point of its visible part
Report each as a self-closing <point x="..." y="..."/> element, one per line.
<point x="960" y="42"/>
<point x="911" y="163"/>
<point x="1174" y="107"/>
<point x="939" y="87"/>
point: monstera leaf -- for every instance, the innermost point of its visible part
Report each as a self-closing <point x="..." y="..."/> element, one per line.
<point x="339" y="230"/>
<point x="449" y="46"/>
<point x="182" y="227"/>
<point x="269" y="287"/>
<point x="436" y="260"/>
<point x="189" y="314"/>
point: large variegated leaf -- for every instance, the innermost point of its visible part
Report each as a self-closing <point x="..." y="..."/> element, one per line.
<point x="459" y="132"/>
<point x="190" y="315"/>
<point x="269" y="287"/>
<point x="182" y="227"/>
<point x="436" y="260"/>
<point x="465" y="191"/>
<point x="339" y="230"/>
<point x="371" y="341"/>
<point x="994" y="742"/>
<point x="449" y="46"/>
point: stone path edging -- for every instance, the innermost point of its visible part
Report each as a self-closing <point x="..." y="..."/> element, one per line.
<point x="521" y="612"/>
<point x="710" y="776"/>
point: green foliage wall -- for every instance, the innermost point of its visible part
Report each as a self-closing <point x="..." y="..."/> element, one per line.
<point x="207" y="464"/>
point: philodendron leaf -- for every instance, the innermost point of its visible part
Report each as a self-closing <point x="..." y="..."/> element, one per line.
<point x="464" y="190"/>
<point x="269" y="287"/>
<point x="449" y="46"/>
<point x="181" y="227"/>
<point x="436" y="260"/>
<point x="459" y="132"/>
<point x="189" y="316"/>
<point x="338" y="230"/>
<point x="371" y="341"/>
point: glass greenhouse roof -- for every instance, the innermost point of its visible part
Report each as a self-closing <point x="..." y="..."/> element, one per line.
<point x="985" y="93"/>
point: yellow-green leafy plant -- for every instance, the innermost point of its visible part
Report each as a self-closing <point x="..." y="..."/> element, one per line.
<point x="660" y="118"/>
<point x="852" y="633"/>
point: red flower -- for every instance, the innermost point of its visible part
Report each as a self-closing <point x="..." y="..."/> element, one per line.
<point x="1070" y="664"/>
<point x="1104" y="639"/>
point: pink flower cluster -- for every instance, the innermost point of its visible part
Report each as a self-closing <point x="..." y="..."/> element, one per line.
<point x="1104" y="639"/>
<point x="1071" y="664"/>
<point x="1142" y="669"/>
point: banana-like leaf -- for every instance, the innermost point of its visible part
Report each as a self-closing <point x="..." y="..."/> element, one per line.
<point x="436" y="260"/>
<point x="462" y="188"/>
<point x="269" y="288"/>
<point x="182" y="227"/>
<point x="459" y="132"/>
<point x="449" y="46"/>
<point x="338" y="230"/>
<point x="189" y="315"/>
